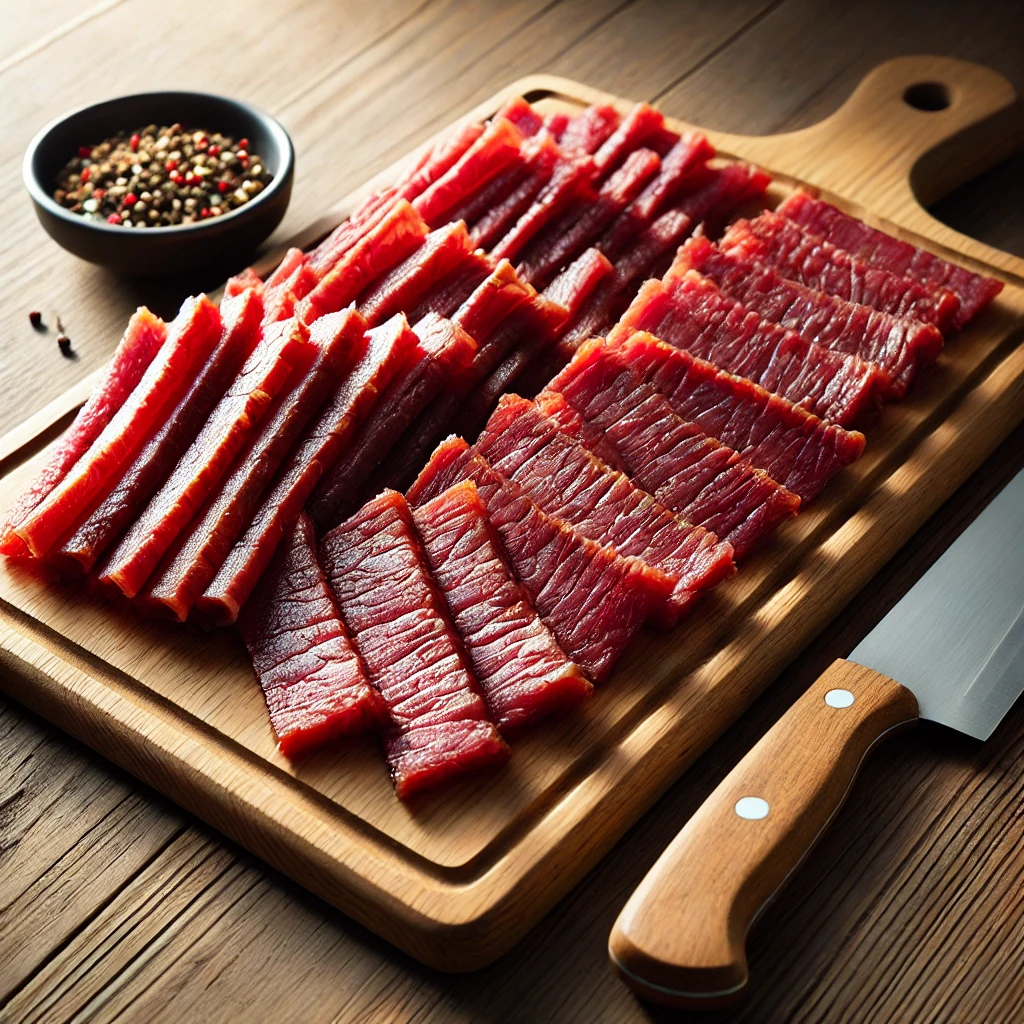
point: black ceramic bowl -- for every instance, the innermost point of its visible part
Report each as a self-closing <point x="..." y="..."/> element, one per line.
<point x="179" y="249"/>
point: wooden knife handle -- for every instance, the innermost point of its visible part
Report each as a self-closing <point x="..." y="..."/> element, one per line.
<point x="680" y="938"/>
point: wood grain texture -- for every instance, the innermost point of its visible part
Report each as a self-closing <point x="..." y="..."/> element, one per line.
<point x="456" y="877"/>
<point x="821" y="953"/>
<point x="680" y="939"/>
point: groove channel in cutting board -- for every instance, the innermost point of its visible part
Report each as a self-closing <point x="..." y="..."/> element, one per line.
<point x="455" y="877"/>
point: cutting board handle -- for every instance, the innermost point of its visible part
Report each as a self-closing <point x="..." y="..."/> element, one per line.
<point x="680" y="938"/>
<point x="913" y="130"/>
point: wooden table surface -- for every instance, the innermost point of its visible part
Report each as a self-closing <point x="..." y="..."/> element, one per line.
<point x="115" y="904"/>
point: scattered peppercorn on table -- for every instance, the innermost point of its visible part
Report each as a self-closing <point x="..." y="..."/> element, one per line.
<point x="89" y="854"/>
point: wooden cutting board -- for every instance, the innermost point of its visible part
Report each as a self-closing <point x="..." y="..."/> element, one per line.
<point x="456" y="877"/>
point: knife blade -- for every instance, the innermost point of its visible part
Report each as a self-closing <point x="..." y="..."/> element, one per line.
<point x="951" y="651"/>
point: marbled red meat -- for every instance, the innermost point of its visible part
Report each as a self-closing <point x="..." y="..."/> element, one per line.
<point x="524" y="674"/>
<point x="536" y="160"/>
<point x="496" y="211"/>
<point x="569" y="482"/>
<point x="690" y="312"/>
<point x="432" y="162"/>
<point x="198" y="473"/>
<point x="142" y="338"/>
<point x="438" y="726"/>
<point x="337" y="341"/>
<point x="312" y="678"/>
<point x="444" y="352"/>
<point x="685" y="160"/>
<point x="878" y="249"/>
<point x="496" y="148"/>
<point x="715" y="200"/>
<point x="697" y="476"/>
<point x="565" y="238"/>
<point x="190" y="339"/>
<point x="579" y="280"/>
<point x="593" y="600"/>
<point x="796" y="448"/>
<point x="447" y="294"/>
<point x="899" y="346"/>
<point x="403" y="287"/>
<point x="522" y="115"/>
<point x="243" y="281"/>
<point x="152" y="466"/>
<point x="389" y="349"/>
<point x="636" y="262"/>
<point x="642" y="124"/>
<point x="279" y="300"/>
<point x="396" y="236"/>
<point x="498" y="313"/>
<point x="570" y="180"/>
<point x="588" y="130"/>
<point x="812" y="261"/>
<point x="570" y="422"/>
<point x="532" y="332"/>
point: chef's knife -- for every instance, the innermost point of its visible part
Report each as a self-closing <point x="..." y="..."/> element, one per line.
<point x="956" y="644"/>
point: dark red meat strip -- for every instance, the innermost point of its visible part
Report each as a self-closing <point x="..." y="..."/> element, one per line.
<point x="570" y="290"/>
<point x="570" y="180"/>
<point x="569" y="482"/>
<point x="522" y="115"/>
<point x="532" y="332"/>
<point x="496" y="148"/>
<point x="697" y="476"/>
<point x="406" y="285"/>
<point x="565" y="238"/>
<point x="158" y="457"/>
<point x="279" y="301"/>
<point x="198" y="473"/>
<point x="498" y="212"/>
<point x="243" y="281"/>
<point x="812" y="261"/>
<point x="603" y="307"/>
<point x="681" y="164"/>
<point x="691" y="313"/>
<point x="337" y="340"/>
<point x="433" y="162"/>
<point x="524" y="674"/>
<point x="399" y="622"/>
<point x="793" y="446"/>
<point x="389" y="242"/>
<point x="579" y="280"/>
<point x="715" y="200"/>
<point x="498" y="313"/>
<point x="190" y="339"/>
<point x="389" y="349"/>
<point x="593" y="600"/>
<point x="587" y="131"/>
<point x="447" y="294"/>
<point x="142" y="338"/>
<point x="877" y="248"/>
<point x="445" y="350"/>
<point x="642" y="124"/>
<point x="898" y="345"/>
<point x="311" y="676"/>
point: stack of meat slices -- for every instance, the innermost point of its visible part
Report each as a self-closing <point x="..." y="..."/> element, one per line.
<point x="245" y="464"/>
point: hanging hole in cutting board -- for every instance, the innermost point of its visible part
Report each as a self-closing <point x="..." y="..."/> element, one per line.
<point x="927" y="96"/>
